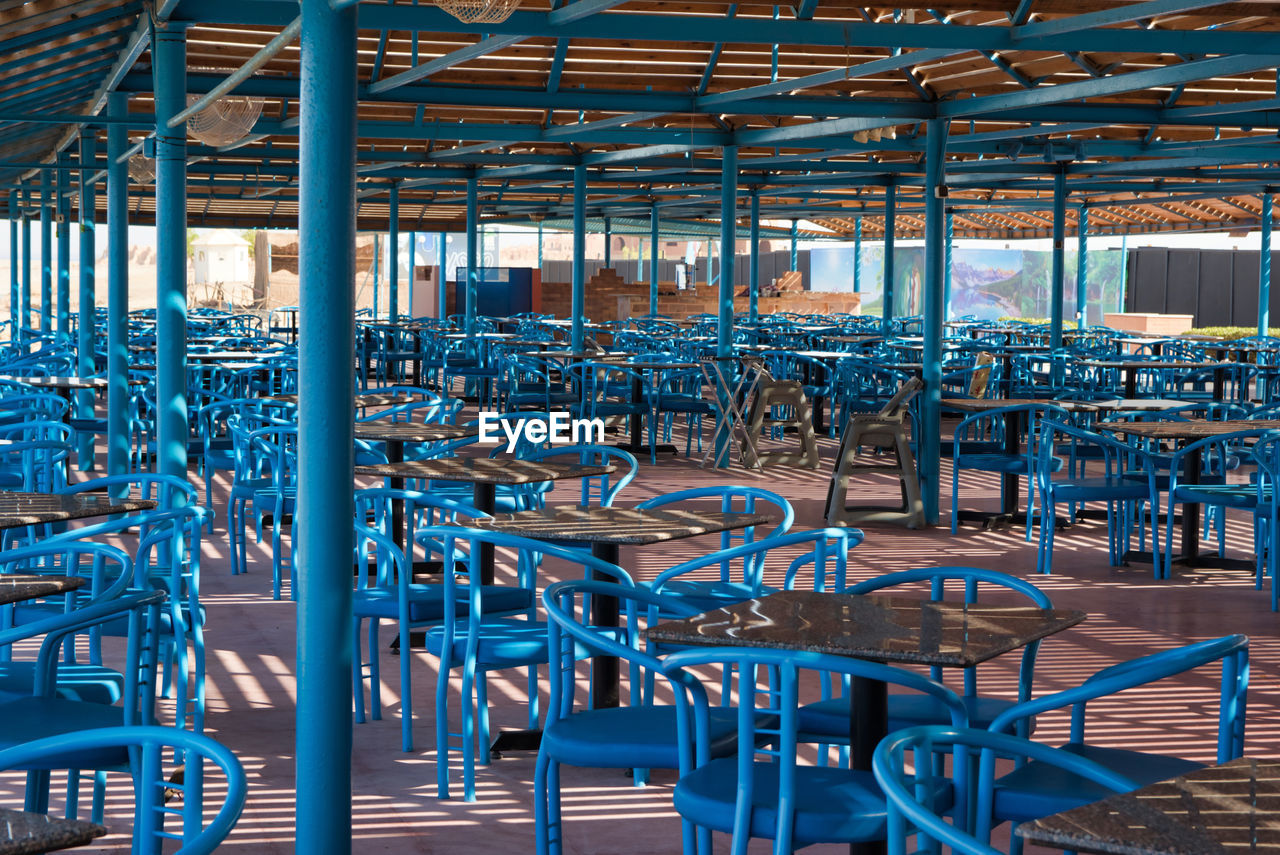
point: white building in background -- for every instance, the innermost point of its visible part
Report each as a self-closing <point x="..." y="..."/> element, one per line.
<point x="221" y="256"/>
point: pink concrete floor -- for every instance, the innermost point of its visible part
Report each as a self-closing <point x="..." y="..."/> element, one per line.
<point x="252" y="688"/>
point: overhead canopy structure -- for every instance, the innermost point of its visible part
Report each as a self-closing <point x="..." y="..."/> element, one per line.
<point x="1161" y="114"/>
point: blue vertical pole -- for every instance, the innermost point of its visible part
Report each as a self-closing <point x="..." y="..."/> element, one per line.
<point x="326" y="385"/>
<point x="608" y="242"/>
<point x="86" y="330"/>
<point x="1264" y="266"/>
<point x="1057" y="267"/>
<point x="857" y="254"/>
<point x="62" y="210"/>
<point x="753" y="266"/>
<point x="117" y="288"/>
<point x="46" y="253"/>
<point x="890" y="225"/>
<point x="795" y="252"/>
<point x="473" y="262"/>
<point x="15" y="306"/>
<point x="393" y="256"/>
<point x="578" y="277"/>
<point x="377" y="257"/>
<point x="25" y="297"/>
<point x="724" y="327"/>
<point x="442" y="310"/>
<point x="934" y="296"/>
<point x="1082" y="269"/>
<point x="950" y="237"/>
<point x="170" y="51"/>
<point x="653" y="260"/>
<point x="413" y="263"/>
<point x="539" y="248"/>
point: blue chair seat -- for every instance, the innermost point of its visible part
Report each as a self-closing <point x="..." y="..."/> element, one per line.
<point x="95" y="684"/>
<point x="1231" y="495"/>
<point x="426" y="602"/>
<point x="1100" y="488"/>
<point x="35" y="718"/>
<point x="831" y="717"/>
<point x="502" y="643"/>
<point x="1039" y="789"/>
<point x="707" y="595"/>
<point x="1016" y="465"/>
<point x="643" y="736"/>
<point x="832" y="804"/>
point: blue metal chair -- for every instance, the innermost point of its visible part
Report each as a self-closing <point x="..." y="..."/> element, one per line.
<point x="639" y="735"/>
<point x="829" y="718"/>
<point x="913" y="810"/>
<point x="146" y="748"/>
<point x="761" y="790"/>
<point x="478" y="636"/>
<point x="598" y="490"/>
<point x="1266" y="518"/>
<point x="1031" y="791"/>
<point x="1128" y="479"/>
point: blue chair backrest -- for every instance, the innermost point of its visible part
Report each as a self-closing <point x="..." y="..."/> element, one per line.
<point x="601" y="488"/>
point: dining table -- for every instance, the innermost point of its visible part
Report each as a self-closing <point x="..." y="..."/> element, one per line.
<point x="20" y="587"/>
<point x="1184" y="432"/>
<point x="1228" y="808"/>
<point x="607" y="530"/>
<point x="889" y="629"/>
<point x="18" y="509"/>
<point x="1130" y="369"/>
<point x="23" y="833"/>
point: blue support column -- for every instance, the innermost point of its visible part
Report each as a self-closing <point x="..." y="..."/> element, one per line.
<point x="724" y="328"/>
<point x="88" y="317"/>
<point x="857" y="254"/>
<point x="393" y="256"/>
<point x="934" y="298"/>
<point x="539" y="247"/>
<point x="1264" y="266"/>
<point x="117" y="288"/>
<point x="62" y="212"/>
<point x="377" y="284"/>
<point x="326" y="385"/>
<point x="890" y="225"/>
<point x="654" y="258"/>
<point x="15" y="305"/>
<point x="1082" y="269"/>
<point x="795" y="252"/>
<point x="24" y="299"/>
<point x="473" y="262"/>
<point x="608" y="242"/>
<point x="170" y="71"/>
<point x="413" y="263"/>
<point x="946" y="303"/>
<point x="578" y="277"/>
<point x="46" y="252"/>
<point x="1058" y="265"/>
<point x="442" y="310"/>
<point x="753" y="268"/>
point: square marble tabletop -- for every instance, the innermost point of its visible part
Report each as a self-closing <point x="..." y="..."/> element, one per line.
<point x="881" y="628"/>
<point x="22" y="833"/>
<point x="19" y="587"/>
<point x="1190" y="429"/>
<point x="1234" y="807"/>
<point x="366" y="399"/>
<point x="629" y="526"/>
<point x="381" y="430"/>
<point x="19" y="509"/>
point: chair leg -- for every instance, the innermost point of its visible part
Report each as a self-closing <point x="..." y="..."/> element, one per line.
<point x="406" y="690"/>
<point x="357" y="671"/>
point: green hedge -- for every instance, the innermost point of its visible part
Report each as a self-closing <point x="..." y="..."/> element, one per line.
<point x="1232" y="333"/>
<point x="1009" y="319"/>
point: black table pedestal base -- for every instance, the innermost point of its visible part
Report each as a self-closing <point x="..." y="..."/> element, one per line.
<point x="515" y="740"/>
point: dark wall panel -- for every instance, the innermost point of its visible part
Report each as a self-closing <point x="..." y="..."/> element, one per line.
<point x="1214" y="300"/>
<point x="1183" y="282"/>
<point x="1150" y="281"/>
<point x="1244" y="310"/>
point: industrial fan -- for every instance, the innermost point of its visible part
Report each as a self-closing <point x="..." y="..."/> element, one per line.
<point x="227" y="120"/>
<point x="142" y="169"/>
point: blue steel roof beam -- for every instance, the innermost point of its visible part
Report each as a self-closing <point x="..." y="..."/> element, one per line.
<point x="481" y="48"/>
<point x="806" y="10"/>
<point x="381" y="54"/>
<point x="78" y="74"/>
<point x="1222" y="108"/>
<point x="1125" y="14"/>
<point x="714" y="57"/>
<point x="70" y="27"/>
<point x="579" y="9"/>
<point x="1022" y="13"/>
<point x="822" y="78"/>
<point x="1147" y="79"/>
<point x="756" y="30"/>
<point x="557" y="64"/>
<point x="58" y="53"/>
<point x="811" y="130"/>
<point x="34" y="98"/>
<point x="556" y="132"/>
<point x="164" y="9"/>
